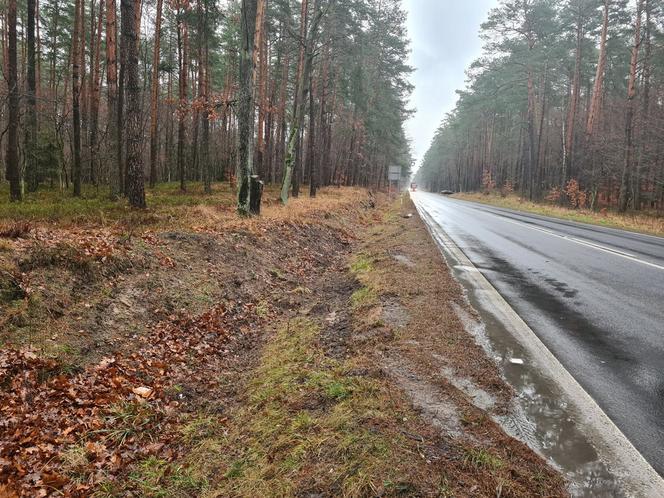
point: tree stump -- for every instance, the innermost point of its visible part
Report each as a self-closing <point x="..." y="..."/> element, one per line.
<point x="256" y="187"/>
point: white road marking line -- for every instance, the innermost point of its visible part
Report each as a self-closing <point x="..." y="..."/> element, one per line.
<point x="582" y="242"/>
<point x="576" y="240"/>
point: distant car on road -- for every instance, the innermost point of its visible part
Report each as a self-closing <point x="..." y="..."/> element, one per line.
<point x="413" y="187"/>
<point x="446" y="192"/>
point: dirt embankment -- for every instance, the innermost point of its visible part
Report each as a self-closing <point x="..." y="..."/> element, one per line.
<point x="314" y="352"/>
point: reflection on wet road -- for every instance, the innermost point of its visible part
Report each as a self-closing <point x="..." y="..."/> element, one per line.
<point x="594" y="296"/>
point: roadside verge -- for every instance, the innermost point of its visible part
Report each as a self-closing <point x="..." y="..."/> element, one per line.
<point x="369" y="385"/>
<point x="643" y="222"/>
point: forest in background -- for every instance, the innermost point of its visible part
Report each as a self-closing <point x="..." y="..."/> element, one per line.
<point x="566" y="104"/>
<point x="117" y="94"/>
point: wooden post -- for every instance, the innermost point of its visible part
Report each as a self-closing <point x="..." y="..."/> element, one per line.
<point x="256" y="187"/>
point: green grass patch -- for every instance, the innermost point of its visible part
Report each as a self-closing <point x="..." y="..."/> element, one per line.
<point x="199" y="428"/>
<point x="306" y="423"/>
<point x="52" y="205"/>
<point x="158" y="478"/>
<point x="10" y="286"/>
<point x="483" y="459"/>
<point x="262" y="309"/>
<point x="362" y="264"/>
<point x="95" y="204"/>
<point x="364" y="296"/>
<point x="128" y="420"/>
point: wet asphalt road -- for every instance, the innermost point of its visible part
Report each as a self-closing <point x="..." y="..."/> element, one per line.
<point x="594" y="296"/>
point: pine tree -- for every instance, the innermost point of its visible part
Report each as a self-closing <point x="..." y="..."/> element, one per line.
<point x="130" y="18"/>
<point x="11" y="158"/>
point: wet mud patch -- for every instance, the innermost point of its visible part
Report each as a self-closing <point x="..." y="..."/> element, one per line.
<point x="477" y="396"/>
<point x="404" y="260"/>
<point x="337" y="331"/>
<point x="427" y="399"/>
<point x="394" y="313"/>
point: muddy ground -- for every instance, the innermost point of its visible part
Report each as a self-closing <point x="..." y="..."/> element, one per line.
<point x="318" y="351"/>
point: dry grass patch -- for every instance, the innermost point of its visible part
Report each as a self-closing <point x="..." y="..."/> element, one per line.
<point x="645" y="222"/>
<point x="168" y="207"/>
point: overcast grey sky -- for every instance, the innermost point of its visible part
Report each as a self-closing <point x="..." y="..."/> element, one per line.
<point x="444" y="35"/>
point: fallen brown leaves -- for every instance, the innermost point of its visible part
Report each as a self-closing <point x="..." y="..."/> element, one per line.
<point x="112" y="413"/>
<point x="65" y="429"/>
<point x="97" y="243"/>
<point x="16" y="230"/>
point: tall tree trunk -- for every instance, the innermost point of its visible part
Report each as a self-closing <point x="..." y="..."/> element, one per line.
<point x="300" y="81"/>
<point x="568" y="156"/>
<point x="83" y="97"/>
<point x="314" y="172"/>
<point x="12" y="165"/>
<point x="154" y="98"/>
<point x="31" y="110"/>
<point x="182" y="83"/>
<point x="169" y="149"/>
<point x="95" y="97"/>
<point x="532" y="150"/>
<point x="645" y="112"/>
<point x="327" y="118"/>
<point x="245" y="114"/>
<point x="539" y="161"/>
<point x="197" y="76"/>
<point x="135" y="176"/>
<point x="89" y="92"/>
<point x="53" y="57"/>
<point x="76" y="96"/>
<point x="308" y="42"/>
<point x="629" y="115"/>
<point x="281" y="117"/>
<point x="112" y="90"/>
<point x="262" y="67"/>
<point x="4" y="39"/>
<point x="122" y="80"/>
<point x="204" y="77"/>
<point x="593" y="111"/>
<point x="38" y="53"/>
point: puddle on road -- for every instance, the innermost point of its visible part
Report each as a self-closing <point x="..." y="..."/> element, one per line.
<point x="540" y="416"/>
